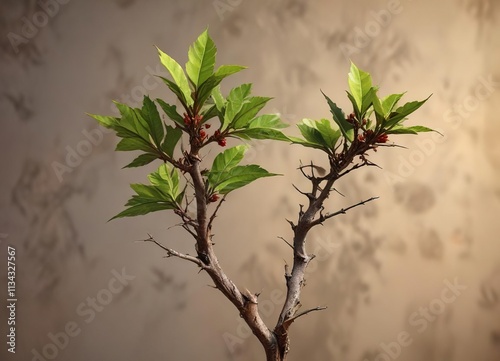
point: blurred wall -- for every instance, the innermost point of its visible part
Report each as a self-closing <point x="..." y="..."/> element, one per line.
<point x="413" y="276"/>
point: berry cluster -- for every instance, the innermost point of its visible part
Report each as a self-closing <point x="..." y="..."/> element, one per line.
<point x="193" y="123"/>
<point x="367" y="135"/>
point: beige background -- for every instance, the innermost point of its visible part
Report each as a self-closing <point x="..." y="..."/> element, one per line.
<point x="436" y="220"/>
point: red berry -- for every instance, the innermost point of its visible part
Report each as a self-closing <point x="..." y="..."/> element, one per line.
<point x="213" y="198"/>
<point x="222" y="142"/>
<point x="382" y="138"/>
<point x="202" y="134"/>
<point x="207" y="126"/>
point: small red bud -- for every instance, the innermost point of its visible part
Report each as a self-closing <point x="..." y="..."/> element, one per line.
<point x="222" y="142"/>
<point x="382" y="138"/>
<point x="207" y="126"/>
<point x="213" y="198"/>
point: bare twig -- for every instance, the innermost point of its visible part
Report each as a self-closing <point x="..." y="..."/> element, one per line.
<point x="303" y="313"/>
<point x="323" y="218"/>
<point x="284" y="240"/>
<point x="212" y="217"/>
<point x="174" y="253"/>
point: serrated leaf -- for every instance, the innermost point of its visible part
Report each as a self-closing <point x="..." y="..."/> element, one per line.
<point x="389" y="102"/>
<point x="140" y="209"/>
<point x="305" y="143"/>
<point x="339" y="117"/>
<point x="152" y="117"/>
<point x="311" y="134"/>
<point x="132" y="120"/>
<point x="228" y="158"/>
<point x="234" y="102"/>
<point x="260" y="133"/>
<point x="166" y="178"/>
<point x="241" y="176"/>
<point x="267" y="121"/>
<point x="251" y="106"/>
<point x="329" y="135"/>
<point x="128" y="144"/>
<point x="141" y="160"/>
<point x="177" y="74"/>
<point x="172" y="137"/>
<point x="360" y="83"/>
<point x="402" y="112"/>
<point x="201" y="55"/>
<point x="218" y="98"/>
<point x="171" y="112"/>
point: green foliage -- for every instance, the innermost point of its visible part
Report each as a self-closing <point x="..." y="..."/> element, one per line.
<point x="226" y="175"/>
<point x="197" y="88"/>
<point x="372" y="118"/>
<point x="163" y="193"/>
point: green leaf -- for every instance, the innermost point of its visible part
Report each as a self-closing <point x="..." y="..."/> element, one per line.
<point x="311" y="134"/>
<point x="410" y="130"/>
<point x="201" y="55"/>
<point x="218" y="98"/>
<point x="260" y="133"/>
<point x="171" y="111"/>
<point x="267" y="121"/>
<point x="133" y="121"/>
<point x="339" y="117"/>
<point x="240" y="176"/>
<point x="172" y="137"/>
<point x="152" y="117"/>
<point x="330" y="136"/>
<point x="389" y="102"/>
<point x="226" y="70"/>
<point x="178" y="75"/>
<point x="174" y="88"/>
<point x="357" y="111"/>
<point x="141" y="160"/>
<point x="128" y="144"/>
<point x="251" y="106"/>
<point x="228" y="159"/>
<point x="234" y="102"/>
<point x="305" y="143"/>
<point x="402" y="112"/>
<point x="105" y="121"/>
<point x="166" y="179"/>
<point x="209" y="112"/>
<point x="144" y="207"/>
<point x="360" y="83"/>
<point x="163" y="193"/>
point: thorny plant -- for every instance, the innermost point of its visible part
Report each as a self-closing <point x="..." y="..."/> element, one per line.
<point x="346" y="142"/>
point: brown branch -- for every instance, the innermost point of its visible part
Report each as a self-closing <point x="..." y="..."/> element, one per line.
<point x="323" y="218"/>
<point x="212" y="217"/>
<point x="289" y="321"/>
<point x="174" y="253"/>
